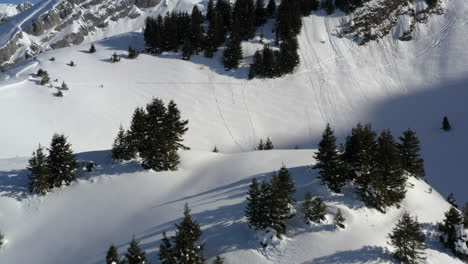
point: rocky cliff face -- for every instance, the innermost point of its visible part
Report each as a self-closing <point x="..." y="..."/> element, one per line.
<point x="53" y="24"/>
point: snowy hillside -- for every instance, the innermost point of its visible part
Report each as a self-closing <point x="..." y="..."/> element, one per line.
<point x="7" y="10"/>
<point x="390" y="83"/>
<point x="78" y="223"/>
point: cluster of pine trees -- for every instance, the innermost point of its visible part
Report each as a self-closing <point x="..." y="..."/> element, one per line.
<point x="270" y="203"/>
<point x="183" y="248"/>
<point x="155" y="135"/>
<point x="377" y="166"/>
<point x="54" y="170"/>
<point x="229" y="25"/>
<point x="349" y="6"/>
<point x="267" y="145"/>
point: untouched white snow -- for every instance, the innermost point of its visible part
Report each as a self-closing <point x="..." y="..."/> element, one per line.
<point x="7" y="10"/>
<point x="77" y="224"/>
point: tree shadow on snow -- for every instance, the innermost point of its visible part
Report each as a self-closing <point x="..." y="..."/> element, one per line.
<point x="367" y="254"/>
<point x="225" y="228"/>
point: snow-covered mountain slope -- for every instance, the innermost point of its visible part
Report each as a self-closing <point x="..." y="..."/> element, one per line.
<point x="7" y="10"/>
<point x="390" y="83"/>
<point x="52" y="24"/>
<point x="115" y="202"/>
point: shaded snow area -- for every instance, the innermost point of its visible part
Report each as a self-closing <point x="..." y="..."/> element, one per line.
<point x="76" y="224"/>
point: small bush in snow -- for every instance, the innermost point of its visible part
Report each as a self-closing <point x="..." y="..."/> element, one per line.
<point x="132" y="53"/>
<point x="41" y="73"/>
<point x="338" y="221"/>
<point x="1" y="239"/>
<point x="92" y="49"/>
<point x="71" y="64"/>
<point x="45" y="79"/>
<point x="59" y="94"/>
<point x="446" y="124"/>
<point x="64" y="86"/>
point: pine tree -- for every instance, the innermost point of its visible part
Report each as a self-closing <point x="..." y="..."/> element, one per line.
<point x="329" y="163"/>
<point x="465" y="216"/>
<point x="92" y="49"/>
<point x="64" y="86"/>
<point x="45" y="79"/>
<point x="112" y="256"/>
<point x="432" y="3"/>
<point x="329" y="7"/>
<point x="215" y="149"/>
<point x="196" y="30"/>
<point x="61" y="163"/>
<point x="232" y="54"/>
<point x="451" y="200"/>
<point x="268" y="144"/>
<point x="121" y="148"/>
<point x="41" y="73"/>
<point x="268" y="63"/>
<point x="253" y="210"/>
<point x="243" y="17"/>
<point x="39" y="176"/>
<point x="2" y="237"/>
<point x="137" y="132"/>
<point x="338" y="221"/>
<point x="187" y="49"/>
<point x="446" y="124"/>
<point x="132" y="53"/>
<point x="256" y="68"/>
<point x="452" y="220"/>
<point x="261" y="145"/>
<point x="319" y="210"/>
<point x="134" y="253"/>
<point x="210" y="11"/>
<point x="288" y="57"/>
<point x="187" y="249"/>
<point x="408" y="239"/>
<point x="307" y="207"/>
<point x="409" y="151"/>
<point x="388" y="180"/>
<point x="260" y="13"/>
<point x="218" y="260"/>
<point x="166" y="251"/>
<point x="289" y="19"/>
<point x="286" y="184"/>
<point x="278" y="206"/>
<point x="115" y="57"/>
<point x="271" y="9"/>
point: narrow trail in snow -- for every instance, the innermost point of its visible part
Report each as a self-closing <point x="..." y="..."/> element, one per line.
<point x="221" y="115"/>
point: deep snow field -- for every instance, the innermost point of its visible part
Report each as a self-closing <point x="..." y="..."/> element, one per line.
<point x="390" y="83"/>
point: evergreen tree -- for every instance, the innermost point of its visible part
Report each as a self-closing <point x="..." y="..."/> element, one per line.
<point x="453" y="219"/>
<point x="260" y="13"/>
<point x="112" y="256"/>
<point x="253" y="210"/>
<point x="319" y="210"/>
<point x="121" y="148"/>
<point x="268" y="63"/>
<point x="269" y="144"/>
<point x="45" y="79"/>
<point x="232" y="54"/>
<point x="137" y="132"/>
<point x="215" y="150"/>
<point x="261" y="145"/>
<point x="134" y="253"/>
<point x="218" y="260"/>
<point x="277" y="202"/>
<point x="256" y="68"/>
<point x="132" y="53"/>
<point x="61" y="163"/>
<point x="64" y="86"/>
<point x="286" y="185"/>
<point x="329" y="163"/>
<point x="409" y="151"/>
<point x="224" y="12"/>
<point x="196" y="30"/>
<point x="289" y="19"/>
<point x="187" y="249"/>
<point x="41" y="73"/>
<point x="187" y="49"/>
<point x="446" y="124"/>
<point x="388" y="180"/>
<point x="465" y="216"/>
<point x="1" y="239"/>
<point x="166" y="251"/>
<point x="243" y="16"/>
<point x="265" y="204"/>
<point x="38" y="177"/>
<point x="92" y="49"/>
<point x="271" y="9"/>
<point x="432" y="3"/>
<point x="307" y="207"/>
<point x="451" y="200"/>
<point x="288" y="57"/>
<point x="329" y="7"/>
<point x="408" y="239"/>
<point x="338" y="221"/>
<point x="210" y="11"/>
